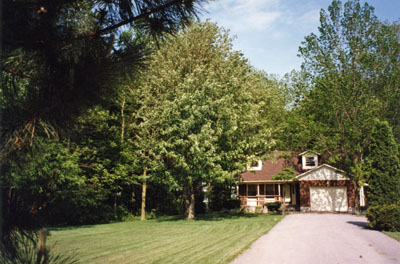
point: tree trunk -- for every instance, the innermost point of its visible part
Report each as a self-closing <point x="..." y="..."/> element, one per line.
<point x="43" y="252"/>
<point x="191" y="211"/>
<point x="115" y="206"/>
<point x="132" y="199"/>
<point x="144" y="186"/>
<point x="122" y="119"/>
<point x="357" y="209"/>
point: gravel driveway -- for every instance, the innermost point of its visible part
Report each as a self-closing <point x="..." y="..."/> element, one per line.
<point x="322" y="238"/>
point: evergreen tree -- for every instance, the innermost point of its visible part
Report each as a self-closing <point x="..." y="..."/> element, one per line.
<point x="382" y="166"/>
<point x="59" y="59"/>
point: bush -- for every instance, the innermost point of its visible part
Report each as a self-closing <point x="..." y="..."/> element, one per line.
<point x="23" y="249"/>
<point x="232" y="203"/>
<point x="386" y="217"/>
<point x="273" y="206"/>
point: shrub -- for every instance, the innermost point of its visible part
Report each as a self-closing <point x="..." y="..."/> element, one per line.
<point x="23" y="249"/>
<point x="274" y="206"/>
<point x="386" y="217"/>
<point x="232" y="203"/>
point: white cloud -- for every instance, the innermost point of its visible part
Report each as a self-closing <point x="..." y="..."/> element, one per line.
<point x="245" y="15"/>
<point x="268" y="32"/>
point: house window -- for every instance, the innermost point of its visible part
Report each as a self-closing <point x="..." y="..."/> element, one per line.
<point x="270" y="190"/>
<point x="242" y="189"/>
<point x="255" y="166"/>
<point x="262" y="190"/>
<point x="252" y="190"/>
<point x="310" y="161"/>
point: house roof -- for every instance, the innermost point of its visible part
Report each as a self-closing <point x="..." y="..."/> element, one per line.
<point x="309" y="151"/>
<point x="272" y="167"/>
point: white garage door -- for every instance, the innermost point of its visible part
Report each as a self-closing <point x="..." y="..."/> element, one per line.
<point x="328" y="199"/>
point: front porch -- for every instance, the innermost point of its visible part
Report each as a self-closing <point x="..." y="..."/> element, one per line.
<point x="259" y="194"/>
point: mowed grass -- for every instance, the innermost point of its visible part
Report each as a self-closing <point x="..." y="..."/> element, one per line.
<point x="395" y="235"/>
<point x="215" y="238"/>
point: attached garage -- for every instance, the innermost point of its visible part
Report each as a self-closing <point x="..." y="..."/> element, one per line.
<point x="328" y="199"/>
<point x="326" y="189"/>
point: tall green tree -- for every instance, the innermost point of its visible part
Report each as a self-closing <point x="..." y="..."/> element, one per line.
<point x="65" y="55"/>
<point x="210" y="108"/>
<point x="59" y="59"/>
<point x="382" y="166"/>
<point x="348" y="81"/>
<point x="349" y="85"/>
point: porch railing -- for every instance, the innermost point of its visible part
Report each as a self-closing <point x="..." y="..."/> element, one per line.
<point x="263" y="199"/>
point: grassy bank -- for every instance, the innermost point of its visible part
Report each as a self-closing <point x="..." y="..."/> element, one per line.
<point x="212" y="238"/>
<point x="395" y="235"/>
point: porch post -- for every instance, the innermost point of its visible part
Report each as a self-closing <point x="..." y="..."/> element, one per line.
<point x="247" y="190"/>
<point x="258" y="189"/>
<point x="279" y="191"/>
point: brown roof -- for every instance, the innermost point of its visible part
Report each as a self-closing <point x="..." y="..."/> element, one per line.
<point x="272" y="167"/>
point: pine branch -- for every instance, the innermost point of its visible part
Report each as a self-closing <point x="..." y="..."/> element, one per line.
<point x="128" y="21"/>
<point x="20" y="74"/>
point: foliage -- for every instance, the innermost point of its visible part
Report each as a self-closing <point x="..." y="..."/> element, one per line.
<point x="67" y="50"/>
<point x="384" y="217"/>
<point x="284" y="155"/>
<point x="339" y="91"/>
<point x="60" y="59"/>
<point x="26" y="252"/>
<point x="220" y="196"/>
<point x="211" y="238"/>
<point x="208" y="107"/>
<point x="285" y="174"/>
<point x="274" y="206"/>
<point x="382" y="166"/>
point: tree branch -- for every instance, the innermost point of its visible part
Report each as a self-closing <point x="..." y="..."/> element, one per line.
<point x="133" y="19"/>
<point x="20" y="74"/>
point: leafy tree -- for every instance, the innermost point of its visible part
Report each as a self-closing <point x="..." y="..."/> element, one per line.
<point x="59" y="59"/>
<point x="349" y="85"/>
<point x="285" y="174"/>
<point x="382" y="166"/>
<point x="342" y="66"/>
<point x="210" y="108"/>
<point x="341" y="103"/>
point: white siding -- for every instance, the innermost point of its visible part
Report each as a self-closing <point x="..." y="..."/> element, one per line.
<point x="323" y="173"/>
<point x="328" y="199"/>
<point x="251" y="201"/>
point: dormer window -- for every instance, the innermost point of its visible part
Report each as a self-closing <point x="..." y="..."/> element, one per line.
<point x="255" y="167"/>
<point x="309" y="159"/>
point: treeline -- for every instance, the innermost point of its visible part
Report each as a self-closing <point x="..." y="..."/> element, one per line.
<point x="345" y="100"/>
<point x="159" y="131"/>
<point x="98" y="123"/>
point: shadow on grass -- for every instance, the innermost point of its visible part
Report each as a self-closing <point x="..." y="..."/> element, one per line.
<point x="73" y="227"/>
<point x="214" y="216"/>
<point x="361" y="224"/>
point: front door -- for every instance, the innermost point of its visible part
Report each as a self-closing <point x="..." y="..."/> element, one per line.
<point x="286" y="193"/>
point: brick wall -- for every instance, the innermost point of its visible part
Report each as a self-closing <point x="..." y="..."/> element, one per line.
<point x="243" y="201"/>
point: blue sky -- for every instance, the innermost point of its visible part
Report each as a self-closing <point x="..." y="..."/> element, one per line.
<point x="269" y="32"/>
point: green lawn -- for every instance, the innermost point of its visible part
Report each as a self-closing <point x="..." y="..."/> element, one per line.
<point x="395" y="235"/>
<point x="212" y="238"/>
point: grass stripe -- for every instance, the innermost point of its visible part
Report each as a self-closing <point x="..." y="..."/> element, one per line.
<point x="214" y="238"/>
